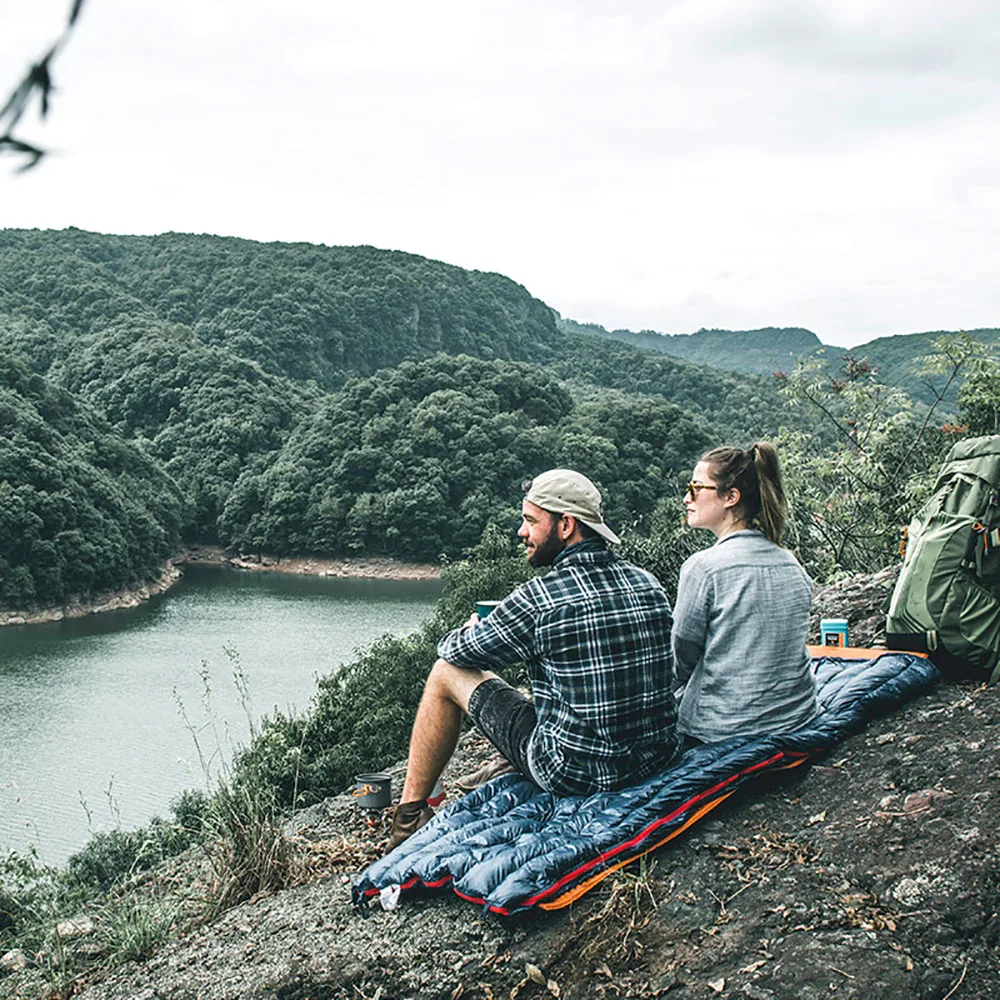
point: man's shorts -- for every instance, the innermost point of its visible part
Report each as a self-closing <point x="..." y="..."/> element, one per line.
<point x="507" y="719"/>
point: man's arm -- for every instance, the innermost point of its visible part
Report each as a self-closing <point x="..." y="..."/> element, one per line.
<point x="504" y="637"/>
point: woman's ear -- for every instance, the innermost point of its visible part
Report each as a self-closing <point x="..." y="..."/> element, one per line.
<point x="733" y="498"/>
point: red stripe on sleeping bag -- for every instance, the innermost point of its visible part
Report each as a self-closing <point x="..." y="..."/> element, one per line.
<point x="642" y="835"/>
<point x="411" y="882"/>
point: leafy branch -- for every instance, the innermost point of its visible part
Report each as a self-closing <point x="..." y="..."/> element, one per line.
<point x="36" y="82"/>
<point x="952" y="354"/>
<point x="851" y="500"/>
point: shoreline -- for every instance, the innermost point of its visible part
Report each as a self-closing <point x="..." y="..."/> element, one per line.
<point x="362" y="567"/>
<point x="371" y="567"/>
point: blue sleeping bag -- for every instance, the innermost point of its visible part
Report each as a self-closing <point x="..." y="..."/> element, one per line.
<point x="510" y="846"/>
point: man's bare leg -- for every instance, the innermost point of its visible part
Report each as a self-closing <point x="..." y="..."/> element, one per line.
<point x="437" y="726"/>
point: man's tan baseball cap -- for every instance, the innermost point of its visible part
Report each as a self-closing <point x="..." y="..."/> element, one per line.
<point x="563" y="491"/>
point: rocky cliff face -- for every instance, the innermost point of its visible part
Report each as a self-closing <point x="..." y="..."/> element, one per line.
<point x="863" y="600"/>
<point x="873" y="874"/>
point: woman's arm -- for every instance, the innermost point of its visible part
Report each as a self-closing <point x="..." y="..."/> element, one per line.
<point x="690" y="631"/>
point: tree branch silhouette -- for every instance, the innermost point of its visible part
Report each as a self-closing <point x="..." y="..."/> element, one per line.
<point x="37" y="82"/>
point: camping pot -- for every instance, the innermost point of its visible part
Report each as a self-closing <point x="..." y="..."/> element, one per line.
<point x="483" y="608"/>
<point x="372" y="791"/>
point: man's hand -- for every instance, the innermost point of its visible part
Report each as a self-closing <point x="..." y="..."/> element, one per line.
<point x="473" y="620"/>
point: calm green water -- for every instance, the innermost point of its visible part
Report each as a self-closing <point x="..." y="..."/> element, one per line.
<point x="92" y="711"/>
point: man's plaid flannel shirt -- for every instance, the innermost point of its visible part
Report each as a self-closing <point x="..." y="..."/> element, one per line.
<point x="595" y="635"/>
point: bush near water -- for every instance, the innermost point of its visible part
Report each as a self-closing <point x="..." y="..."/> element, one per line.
<point x="81" y="509"/>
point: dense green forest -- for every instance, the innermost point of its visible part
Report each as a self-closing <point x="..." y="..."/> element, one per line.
<point x="292" y="398"/>
<point x="80" y="508"/>
<point x="306" y="312"/>
<point x="417" y="460"/>
<point x="247" y="372"/>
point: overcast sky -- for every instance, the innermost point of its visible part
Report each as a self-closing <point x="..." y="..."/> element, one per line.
<point x="667" y="166"/>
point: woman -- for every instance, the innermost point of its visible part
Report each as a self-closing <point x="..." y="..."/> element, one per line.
<point x="742" y="613"/>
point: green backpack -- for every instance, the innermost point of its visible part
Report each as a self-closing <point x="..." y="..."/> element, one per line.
<point x="947" y="599"/>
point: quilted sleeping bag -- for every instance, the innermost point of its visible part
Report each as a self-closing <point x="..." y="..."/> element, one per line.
<point x="509" y="846"/>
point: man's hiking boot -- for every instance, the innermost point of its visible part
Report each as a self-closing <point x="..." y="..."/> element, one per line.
<point x="407" y="818"/>
<point x="491" y="769"/>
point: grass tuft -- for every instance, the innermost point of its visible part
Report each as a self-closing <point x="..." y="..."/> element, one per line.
<point x="245" y="844"/>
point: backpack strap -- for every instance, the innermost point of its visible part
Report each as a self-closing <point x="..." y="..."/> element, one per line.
<point x="976" y="553"/>
<point x="913" y="642"/>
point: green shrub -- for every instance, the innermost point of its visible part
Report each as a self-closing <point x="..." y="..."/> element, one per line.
<point x="668" y="543"/>
<point x="132" y="928"/>
<point x="189" y="810"/>
<point x="111" y="857"/>
<point x="245" y="844"/>
<point x="979" y="397"/>
<point x="850" y="502"/>
<point x="32" y="897"/>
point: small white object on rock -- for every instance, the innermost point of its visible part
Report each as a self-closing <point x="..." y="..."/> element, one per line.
<point x="77" y="927"/>
<point x="14" y="961"/>
<point x="534" y="973"/>
<point x="389" y="897"/>
<point x="910" y="891"/>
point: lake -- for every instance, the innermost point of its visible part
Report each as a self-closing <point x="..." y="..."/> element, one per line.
<point x="99" y="716"/>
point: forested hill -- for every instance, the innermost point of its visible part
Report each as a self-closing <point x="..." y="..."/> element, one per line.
<point x="346" y="400"/>
<point x="897" y="359"/>
<point x="80" y="509"/>
<point x="755" y="351"/>
<point x="304" y="311"/>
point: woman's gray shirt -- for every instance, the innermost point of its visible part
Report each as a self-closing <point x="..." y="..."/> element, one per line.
<point x="741" y="621"/>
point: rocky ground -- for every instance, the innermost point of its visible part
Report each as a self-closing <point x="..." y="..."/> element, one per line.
<point x="873" y="874"/>
<point x="112" y="600"/>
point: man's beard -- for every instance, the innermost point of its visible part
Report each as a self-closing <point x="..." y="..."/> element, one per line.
<point x="546" y="550"/>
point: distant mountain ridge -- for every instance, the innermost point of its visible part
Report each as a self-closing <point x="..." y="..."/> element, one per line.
<point x="769" y="349"/>
<point x="749" y="351"/>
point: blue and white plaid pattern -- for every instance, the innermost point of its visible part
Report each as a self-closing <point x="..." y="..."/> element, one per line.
<point x="595" y="635"/>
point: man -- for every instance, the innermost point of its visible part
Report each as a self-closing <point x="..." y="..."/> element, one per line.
<point x="595" y="635"/>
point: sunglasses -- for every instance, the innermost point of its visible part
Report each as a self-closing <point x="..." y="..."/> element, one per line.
<point x="693" y="489"/>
